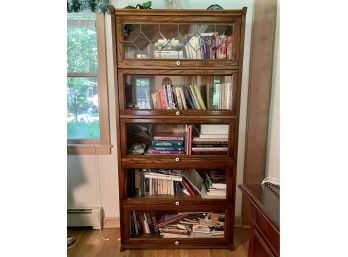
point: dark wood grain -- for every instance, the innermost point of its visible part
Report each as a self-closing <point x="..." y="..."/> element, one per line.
<point x="191" y="71"/>
<point x="260" y="84"/>
<point x="198" y="13"/>
<point x="160" y="114"/>
<point x="169" y="161"/>
<point x="265" y="220"/>
<point x="118" y="129"/>
<point x="127" y="163"/>
<point x="184" y="64"/>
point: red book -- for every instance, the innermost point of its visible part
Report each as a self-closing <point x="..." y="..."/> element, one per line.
<point x="150" y="223"/>
<point x="188" y="187"/>
<point x="154" y="151"/>
<point x="229" y="47"/>
<point x="162" y="99"/>
<point x="189" y="140"/>
<point x="171" y="220"/>
<point x="223" y="48"/>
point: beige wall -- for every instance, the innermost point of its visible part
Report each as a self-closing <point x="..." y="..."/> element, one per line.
<point x="93" y="180"/>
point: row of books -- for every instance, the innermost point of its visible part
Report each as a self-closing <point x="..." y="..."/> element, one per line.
<point x="177" y="224"/>
<point x="192" y="139"/>
<point x="207" y="184"/>
<point x="222" y="96"/>
<point x="200" y="46"/>
<point x="209" y="47"/>
<point x="183" y="97"/>
<point x="218" y="96"/>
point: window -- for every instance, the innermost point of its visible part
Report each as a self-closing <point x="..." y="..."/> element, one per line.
<point x="87" y="117"/>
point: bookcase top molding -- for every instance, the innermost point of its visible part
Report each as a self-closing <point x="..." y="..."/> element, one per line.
<point x="179" y="12"/>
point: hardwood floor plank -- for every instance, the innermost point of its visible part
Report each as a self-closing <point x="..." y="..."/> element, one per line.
<point x="181" y="252"/>
<point x="90" y="244"/>
<point x="169" y="253"/>
<point x="108" y="248"/>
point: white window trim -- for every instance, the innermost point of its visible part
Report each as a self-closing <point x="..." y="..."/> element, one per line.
<point x="102" y="145"/>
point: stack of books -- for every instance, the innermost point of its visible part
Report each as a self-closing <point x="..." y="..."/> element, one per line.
<point x="213" y="225"/>
<point x="215" y="185"/>
<point x="168" y="49"/>
<point x="211" y="139"/>
<point x="176" y="224"/>
<point x="167" y="144"/>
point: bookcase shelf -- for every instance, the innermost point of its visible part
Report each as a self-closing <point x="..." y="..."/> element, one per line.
<point x="177" y="85"/>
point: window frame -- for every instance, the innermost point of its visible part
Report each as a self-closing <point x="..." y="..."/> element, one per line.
<point x="101" y="145"/>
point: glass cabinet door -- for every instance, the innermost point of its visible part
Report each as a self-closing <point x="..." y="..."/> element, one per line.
<point x="178" y="184"/>
<point x="180" y="92"/>
<point x="178" y="41"/>
<point x="149" y="139"/>
<point x="174" y="224"/>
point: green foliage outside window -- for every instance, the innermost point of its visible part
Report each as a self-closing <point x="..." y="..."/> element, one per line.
<point x="82" y="50"/>
<point x="82" y="93"/>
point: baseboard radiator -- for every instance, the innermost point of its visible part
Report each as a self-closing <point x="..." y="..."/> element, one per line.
<point x="86" y="217"/>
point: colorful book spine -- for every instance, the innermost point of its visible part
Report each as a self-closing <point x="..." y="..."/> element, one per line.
<point x="149" y="222"/>
<point x="163" y="176"/>
<point x="210" y="149"/>
<point x="222" y="48"/>
<point x="210" y="47"/>
<point x="188" y="98"/>
<point x="168" y="148"/>
<point x="170" y="99"/>
<point x="189" y="139"/>
<point x="189" y="188"/>
<point x="168" y="137"/>
<point x="153" y="151"/>
<point x="154" y="100"/>
<point x="229" y="46"/>
<point x="165" y="94"/>
<point x="229" y="96"/>
<point x="184" y="105"/>
<point x="193" y="95"/>
<point x="162" y="99"/>
<point x="174" y="231"/>
<point x="217" y="45"/>
<point x="194" y="152"/>
<point x="199" y="97"/>
<point x="171" y="220"/>
<point x="146" y="224"/>
<point x="199" y="140"/>
<point x="174" y="96"/>
<point x="162" y="143"/>
<point x="210" y="145"/>
<point x="178" y="98"/>
<point x="154" y="223"/>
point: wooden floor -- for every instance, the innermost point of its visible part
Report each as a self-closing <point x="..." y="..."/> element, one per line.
<point x="90" y="244"/>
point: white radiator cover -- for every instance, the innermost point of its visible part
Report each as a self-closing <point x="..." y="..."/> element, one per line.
<point x="85" y="217"/>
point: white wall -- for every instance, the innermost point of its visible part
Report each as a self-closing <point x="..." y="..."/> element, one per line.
<point x="273" y="164"/>
<point x="83" y="182"/>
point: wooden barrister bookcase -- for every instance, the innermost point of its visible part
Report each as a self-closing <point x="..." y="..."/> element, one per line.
<point x="178" y="85"/>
